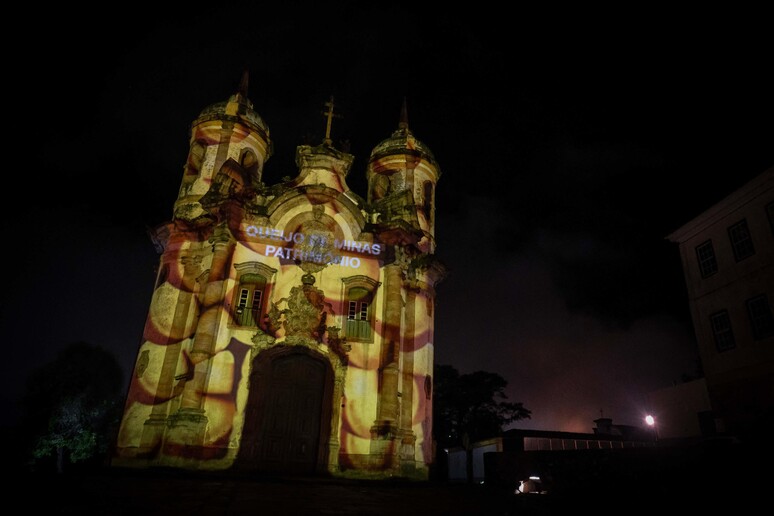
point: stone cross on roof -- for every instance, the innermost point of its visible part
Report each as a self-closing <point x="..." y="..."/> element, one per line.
<point x="329" y="114"/>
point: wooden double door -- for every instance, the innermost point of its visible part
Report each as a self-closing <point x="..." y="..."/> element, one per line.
<point x="287" y="418"/>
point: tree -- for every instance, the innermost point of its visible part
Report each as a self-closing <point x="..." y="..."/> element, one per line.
<point x="470" y="407"/>
<point x="73" y="405"/>
<point x="71" y="433"/>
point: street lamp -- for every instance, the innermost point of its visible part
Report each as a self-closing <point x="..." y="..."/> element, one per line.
<point x="651" y="422"/>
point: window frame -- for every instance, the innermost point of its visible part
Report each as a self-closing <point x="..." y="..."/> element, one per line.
<point x="359" y="317"/>
<point x="762" y="322"/>
<point x="359" y="322"/>
<point x="741" y="240"/>
<point x="246" y="153"/>
<point x="708" y="265"/>
<point x="252" y="281"/>
<point x="723" y="336"/>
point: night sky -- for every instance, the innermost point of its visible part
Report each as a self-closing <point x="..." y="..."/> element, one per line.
<point x="569" y="149"/>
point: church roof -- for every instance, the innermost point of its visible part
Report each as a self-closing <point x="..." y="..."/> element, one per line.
<point x="237" y="108"/>
<point x="245" y="112"/>
<point x="402" y="141"/>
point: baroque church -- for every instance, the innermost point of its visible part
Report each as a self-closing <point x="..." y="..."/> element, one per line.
<point x="290" y="328"/>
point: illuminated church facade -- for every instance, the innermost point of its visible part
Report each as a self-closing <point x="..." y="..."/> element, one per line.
<point x="290" y="328"/>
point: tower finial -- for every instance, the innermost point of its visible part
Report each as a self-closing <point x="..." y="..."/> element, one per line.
<point x="403" y="124"/>
<point x="329" y="114"/>
<point x="243" y="83"/>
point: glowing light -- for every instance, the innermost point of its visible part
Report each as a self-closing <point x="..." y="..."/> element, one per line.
<point x="651" y="422"/>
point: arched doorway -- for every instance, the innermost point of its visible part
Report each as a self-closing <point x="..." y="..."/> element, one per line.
<point x="288" y="411"/>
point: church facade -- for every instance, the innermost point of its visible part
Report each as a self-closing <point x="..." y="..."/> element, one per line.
<point x="291" y="325"/>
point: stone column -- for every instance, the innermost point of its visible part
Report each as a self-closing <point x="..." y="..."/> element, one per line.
<point x="407" y="437"/>
<point x="385" y="428"/>
<point x="188" y="424"/>
<point x="154" y="426"/>
<point x="333" y="441"/>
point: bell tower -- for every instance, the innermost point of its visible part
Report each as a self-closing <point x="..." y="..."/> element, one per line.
<point x="402" y="175"/>
<point x="230" y="129"/>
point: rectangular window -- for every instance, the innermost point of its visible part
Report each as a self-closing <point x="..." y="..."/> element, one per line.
<point x="761" y="319"/>
<point x="721" y="329"/>
<point x="243" y="295"/>
<point x="352" y="310"/>
<point x="358" y="323"/>
<point x="705" y="253"/>
<point x="741" y="240"/>
<point x="249" y="314"/>
<point x="363" y="311"/>
<point x="249" y="294"/>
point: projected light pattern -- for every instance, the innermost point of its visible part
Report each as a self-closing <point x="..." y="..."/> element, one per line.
<point x="290" y="329"/>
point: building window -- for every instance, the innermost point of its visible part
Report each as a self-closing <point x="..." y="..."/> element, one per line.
<point x="741" y="240"/>
<point x="770" y="213"/>
<point x="761" y="319"/>
<point x="380" y="186"/>
<point x="250" y="292"/>
<point x="248" y="306"/>
<point x="705" y="253"/>
<point x="721" y="329"/>
<point x="359" y="314"/>
<point x="359" y="292"/>
<point x="249" y="162"/>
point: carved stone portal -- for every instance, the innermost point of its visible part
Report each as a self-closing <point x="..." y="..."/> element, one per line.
<point x="304" y="320"/>
<point x="306" y="312"/>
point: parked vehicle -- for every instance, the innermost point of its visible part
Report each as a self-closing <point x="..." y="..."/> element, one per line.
<point x="531" y="485"/>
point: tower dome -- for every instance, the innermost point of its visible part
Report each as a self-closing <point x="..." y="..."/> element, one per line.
<point x="230" y="130"/>
<point x="402" y="174"/>
<point x="238" y="108"/>
<point x="402" y="141"/>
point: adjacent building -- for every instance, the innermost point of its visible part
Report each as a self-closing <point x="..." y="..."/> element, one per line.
<point x="727" y="256"/>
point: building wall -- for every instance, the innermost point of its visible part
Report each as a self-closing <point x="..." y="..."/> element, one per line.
<point x="512" y="456"/>
<point x="680" y="409"/>
<point x="740" y="373"/>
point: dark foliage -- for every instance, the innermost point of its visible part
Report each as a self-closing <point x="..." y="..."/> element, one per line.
<point x="71" y="407"/>
<point x="470" y="407"/>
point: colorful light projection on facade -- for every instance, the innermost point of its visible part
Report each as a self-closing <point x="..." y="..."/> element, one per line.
<point x="291" y="328"/>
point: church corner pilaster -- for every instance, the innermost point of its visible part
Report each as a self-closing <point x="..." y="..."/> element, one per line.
<point x="152" y="435"/>
<point x="186" y="429"/>
<point x="408" y="463"/>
